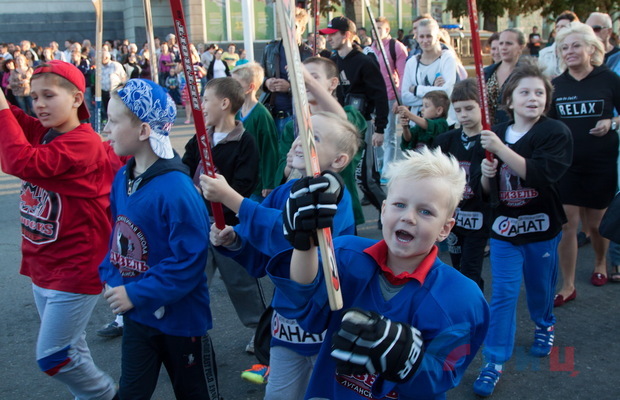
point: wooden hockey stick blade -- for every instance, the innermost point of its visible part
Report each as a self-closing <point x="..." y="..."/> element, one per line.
<point x="285" y="10"/>
<point x="150" y="38"/>
<point x="192" y="84"/>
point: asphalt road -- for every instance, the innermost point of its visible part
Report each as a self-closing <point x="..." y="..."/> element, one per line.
<point x="584" y="365"/>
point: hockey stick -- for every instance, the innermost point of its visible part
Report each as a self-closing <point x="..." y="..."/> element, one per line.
<point x="285" y="10"/>
<point x="98" y="63"/>
<point x="150" y="38"/>
<point x="482" y="90"/>
<point x="404" y="122"/>
<point x="204" y="145"/>
<point x="315" y="12"/>
<point x="382" y="51"/>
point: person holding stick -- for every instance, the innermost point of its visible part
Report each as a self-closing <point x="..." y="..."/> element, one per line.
<point x="532" y="153"/>
<point x="236" y="157"/>
<point x="397" y="57"/>
<point x="470" y="234"/>
<point x="402" y="332"/>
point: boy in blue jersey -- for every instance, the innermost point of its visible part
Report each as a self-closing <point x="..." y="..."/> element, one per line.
<point x="259" y="236"/>
<point x="417" y="323"/>
<point x="154" y="271"/>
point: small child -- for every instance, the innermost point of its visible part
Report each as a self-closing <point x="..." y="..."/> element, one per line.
<point x="419" y="322"/>
<point x="258" y="122"/>
<point x="259" y="236"/>
<point x="470" y="234"/>
<point x="154" y="270"/>
<point x="321" y="91"/>
<point x="64" y="206"/>
<point x="235" y="156"/>
<point x="435" y="107"/>
<point x="173" y="85"/>
<point x="532" y="153"/>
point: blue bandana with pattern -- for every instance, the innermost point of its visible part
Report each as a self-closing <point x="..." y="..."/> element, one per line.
<point x="152" y="105"/>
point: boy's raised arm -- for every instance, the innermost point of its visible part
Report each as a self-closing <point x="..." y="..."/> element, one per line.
<point x="325" y="100"/>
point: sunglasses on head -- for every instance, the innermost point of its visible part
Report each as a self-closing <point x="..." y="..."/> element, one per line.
<point x="598" y="28"/>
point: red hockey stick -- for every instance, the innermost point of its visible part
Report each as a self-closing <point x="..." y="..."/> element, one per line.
<point x="285" y="10"/>
<point x="482" y="89"/>
<point x="192" y="85"/>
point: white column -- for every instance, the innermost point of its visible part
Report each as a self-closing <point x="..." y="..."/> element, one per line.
<point x="247" y="11"/>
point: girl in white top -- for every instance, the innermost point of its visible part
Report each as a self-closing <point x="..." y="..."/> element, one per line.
<point x="433" y="69"/>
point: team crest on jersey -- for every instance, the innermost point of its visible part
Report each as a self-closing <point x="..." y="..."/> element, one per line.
<point x="40" y="213"/>
<point x="129" y="248"/>
<point x="511" y="191"/>
<point x="362" y="385"/>
<point x="468" y="193"/>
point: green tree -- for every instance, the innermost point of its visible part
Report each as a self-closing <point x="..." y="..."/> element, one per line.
<point x="493" y="9"/>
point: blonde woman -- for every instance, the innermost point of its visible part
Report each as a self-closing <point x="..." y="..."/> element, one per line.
<point x="433" y="69"/>
<point x="585" y="97"/>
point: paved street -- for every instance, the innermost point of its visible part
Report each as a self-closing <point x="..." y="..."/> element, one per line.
<point x="584" y="367"/>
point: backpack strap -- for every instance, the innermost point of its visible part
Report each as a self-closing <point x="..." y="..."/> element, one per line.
<point x="393" y="52"/>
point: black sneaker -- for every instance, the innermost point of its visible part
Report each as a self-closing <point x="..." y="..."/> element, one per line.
<point x="111" y="330"/>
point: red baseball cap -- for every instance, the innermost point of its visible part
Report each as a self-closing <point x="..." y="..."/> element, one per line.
<point x="71" y="73"/>
<point x="338" y="24"/>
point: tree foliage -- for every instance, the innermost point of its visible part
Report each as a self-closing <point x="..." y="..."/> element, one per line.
<point x="492" y="9"/>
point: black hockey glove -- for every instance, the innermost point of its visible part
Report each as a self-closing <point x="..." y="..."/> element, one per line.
<point x="312" y="204"/>
<point x="370" y="343"/>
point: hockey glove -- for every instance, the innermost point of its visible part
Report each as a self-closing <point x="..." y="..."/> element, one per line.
<point x="312" y="204"/>
<point x="368" y="342"/>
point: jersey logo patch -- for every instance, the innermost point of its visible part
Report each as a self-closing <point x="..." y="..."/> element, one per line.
<point x="511" y="191"/>
<point x="468" y="193"/>
<point x="511" y="227"/>
<point x="40" y="212"/>
<point x="129" y="248"/>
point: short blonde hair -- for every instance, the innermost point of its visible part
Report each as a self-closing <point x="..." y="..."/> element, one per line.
<point x="588" y="36"/>
<point x="343" y="134"/>
<point x="425" y="163"/>
<point x="251" y="72"/>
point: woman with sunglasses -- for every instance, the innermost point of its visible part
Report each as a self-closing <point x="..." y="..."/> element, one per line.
<point x="602" y="26"/>
<point x="585" y="97"/>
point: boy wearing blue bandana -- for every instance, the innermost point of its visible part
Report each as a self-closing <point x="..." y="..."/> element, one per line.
<point x="154" y="270"/>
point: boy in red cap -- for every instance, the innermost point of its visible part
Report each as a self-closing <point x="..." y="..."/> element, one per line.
<point x="65" y="217"/>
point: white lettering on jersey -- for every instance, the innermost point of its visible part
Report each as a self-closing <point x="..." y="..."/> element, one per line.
<point x="511" y="227"/>
<point x="288" y="330"/>
<point x="471" y="220"/>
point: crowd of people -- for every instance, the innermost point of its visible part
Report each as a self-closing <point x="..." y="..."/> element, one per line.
<point x="411" y="324"/>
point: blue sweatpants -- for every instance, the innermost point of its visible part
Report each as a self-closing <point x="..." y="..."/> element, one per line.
<point x="538" y="264"/>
